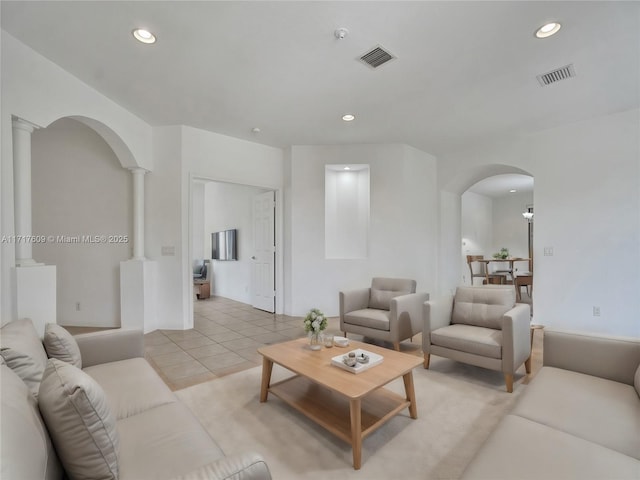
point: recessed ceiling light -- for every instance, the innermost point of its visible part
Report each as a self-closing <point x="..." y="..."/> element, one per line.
<point x="512" y="190"/>
<point x="144" y="36"/>
<point x="348" y="117"/>
<point x="548" y="29"/>
<point x="347" y="168"/>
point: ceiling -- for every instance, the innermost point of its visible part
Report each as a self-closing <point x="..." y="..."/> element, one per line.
<point x="500" y="185"/>
<point x="465" y="71"/>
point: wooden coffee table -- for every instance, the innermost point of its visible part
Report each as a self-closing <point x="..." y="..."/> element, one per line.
<point x="360" y="407"/>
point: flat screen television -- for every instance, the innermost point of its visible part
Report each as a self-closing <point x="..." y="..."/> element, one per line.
<point x="224" y="245"/>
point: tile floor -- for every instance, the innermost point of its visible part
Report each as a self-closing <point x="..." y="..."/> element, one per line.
<point x="224" y="340"/>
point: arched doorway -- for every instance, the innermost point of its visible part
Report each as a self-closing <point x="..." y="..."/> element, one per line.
<point x="82" y="200"/>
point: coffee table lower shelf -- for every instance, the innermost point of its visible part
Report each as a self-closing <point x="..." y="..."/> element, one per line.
<point x="333" y="411"/>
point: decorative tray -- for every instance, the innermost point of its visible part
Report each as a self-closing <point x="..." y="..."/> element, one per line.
<point x="374" y="359"/>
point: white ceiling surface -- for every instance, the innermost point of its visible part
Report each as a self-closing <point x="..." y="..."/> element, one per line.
<point x="465" y="71"/>
<point x="499" y="185"/>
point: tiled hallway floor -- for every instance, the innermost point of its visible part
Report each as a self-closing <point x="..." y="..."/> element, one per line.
<point x="224" y="340"/>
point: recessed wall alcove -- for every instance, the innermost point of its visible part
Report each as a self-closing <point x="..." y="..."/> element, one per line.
<point x="346" y="211"/>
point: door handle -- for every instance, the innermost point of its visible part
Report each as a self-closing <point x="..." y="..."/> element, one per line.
<point x="253" y="257"/>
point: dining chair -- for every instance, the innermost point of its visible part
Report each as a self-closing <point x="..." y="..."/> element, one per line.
<point x="478" y="269"/>
<point x="523" y="280"/>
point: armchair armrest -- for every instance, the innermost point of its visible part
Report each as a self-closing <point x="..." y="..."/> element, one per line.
<point x="247" y="466"/>
<point x="516" y="337"/>
<point x="352" y="300"/>
<point x="109" y="346"/>
<point x="436" y="314"/>
<point x="605" y="356"/>
<point x="407" y="305"/>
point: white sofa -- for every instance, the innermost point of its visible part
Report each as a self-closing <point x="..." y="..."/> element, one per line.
<point x="157" y="436"/>
<point x="578" y="419"/>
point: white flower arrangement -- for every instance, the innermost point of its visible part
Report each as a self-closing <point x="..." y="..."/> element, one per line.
<point x="315" y="321"/>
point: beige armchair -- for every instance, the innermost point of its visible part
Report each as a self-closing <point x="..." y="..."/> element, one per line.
<point x="482" y="326"/>
<point x="390" y="310"/>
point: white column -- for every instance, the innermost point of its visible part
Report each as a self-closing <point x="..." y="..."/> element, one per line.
<point x="138" y="213"/>
<point x="22" y="190"/>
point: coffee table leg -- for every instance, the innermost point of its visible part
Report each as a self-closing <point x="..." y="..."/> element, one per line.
<point x="267" y="367"/>
<point x="411" y="394"/>
<point x="356" y="432"/>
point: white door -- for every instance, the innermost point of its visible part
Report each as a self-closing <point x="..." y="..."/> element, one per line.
<point x="263" y="278"/>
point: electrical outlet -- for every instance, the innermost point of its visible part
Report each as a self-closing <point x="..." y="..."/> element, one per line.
<point x="548" y="251"/>
<point x="596" y="311"/>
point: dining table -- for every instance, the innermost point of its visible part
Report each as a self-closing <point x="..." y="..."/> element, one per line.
<point x="510" y="261"/>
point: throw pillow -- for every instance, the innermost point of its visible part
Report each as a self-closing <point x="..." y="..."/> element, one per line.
<point x="81" y="425"/>
<point x="22" y="350"/>
<point x="381" y="299"/>
<point x="60" y="344"/>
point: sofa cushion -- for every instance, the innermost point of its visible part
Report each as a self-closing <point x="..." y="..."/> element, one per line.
<point x="483" y="306"/>
<point x="599" y="410"/>
<point x="163" y="443"/>
<point x="370" y="318"/>
<point x="78" y="418"/>
<point x="27" y="451"/>
<point x="60" y="344"/>
<point x="527" y="450"/>
<point x="486" y="342"/>
<point x="131" y="386"/>
<point x="22" y="350"/>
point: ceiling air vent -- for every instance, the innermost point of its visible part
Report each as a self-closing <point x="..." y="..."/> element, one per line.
<point x="556" y="75"/>
<point x="376" y="57"/>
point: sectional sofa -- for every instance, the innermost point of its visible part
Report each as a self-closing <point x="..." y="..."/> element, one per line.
<point x="97" y="410"/>
<point x="579" y="418"/>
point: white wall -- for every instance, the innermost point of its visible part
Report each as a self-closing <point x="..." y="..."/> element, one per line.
<point x="403" y="223"/>
<point x="163" y="223"/>
<point x="229" y="206"/>
<point x="587" y="195"/>
<point x="79" y="188"/>
<point x="477" y="229"/>
<point x="509" y="226"/>
<point x="198" y="222"/>
<point x="39" y="91"/>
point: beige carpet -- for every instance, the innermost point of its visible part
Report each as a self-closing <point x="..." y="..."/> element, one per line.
<point x="458" y="406"/>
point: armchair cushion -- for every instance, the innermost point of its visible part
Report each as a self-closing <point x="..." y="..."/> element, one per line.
<point x="370" y="318"/>
<point x="384" y="289"/>
<point x="482" y="307"/>
<point x="486" y="342"/>
<point x="381" y="299"/>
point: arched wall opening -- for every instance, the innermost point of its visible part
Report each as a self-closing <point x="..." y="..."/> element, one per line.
<point x="82" y="202"/>
<point x="453" y="269"/>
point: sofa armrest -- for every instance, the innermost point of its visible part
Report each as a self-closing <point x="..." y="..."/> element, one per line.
<point x="516" y="337"/>
<point x="109" y="346"/>
<point x="408" y="305"/>
<point x="352" y="300"/>
<point x="247" y="466"/>
<point x="435" y="314"/>
<point x="613" y="358"/>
